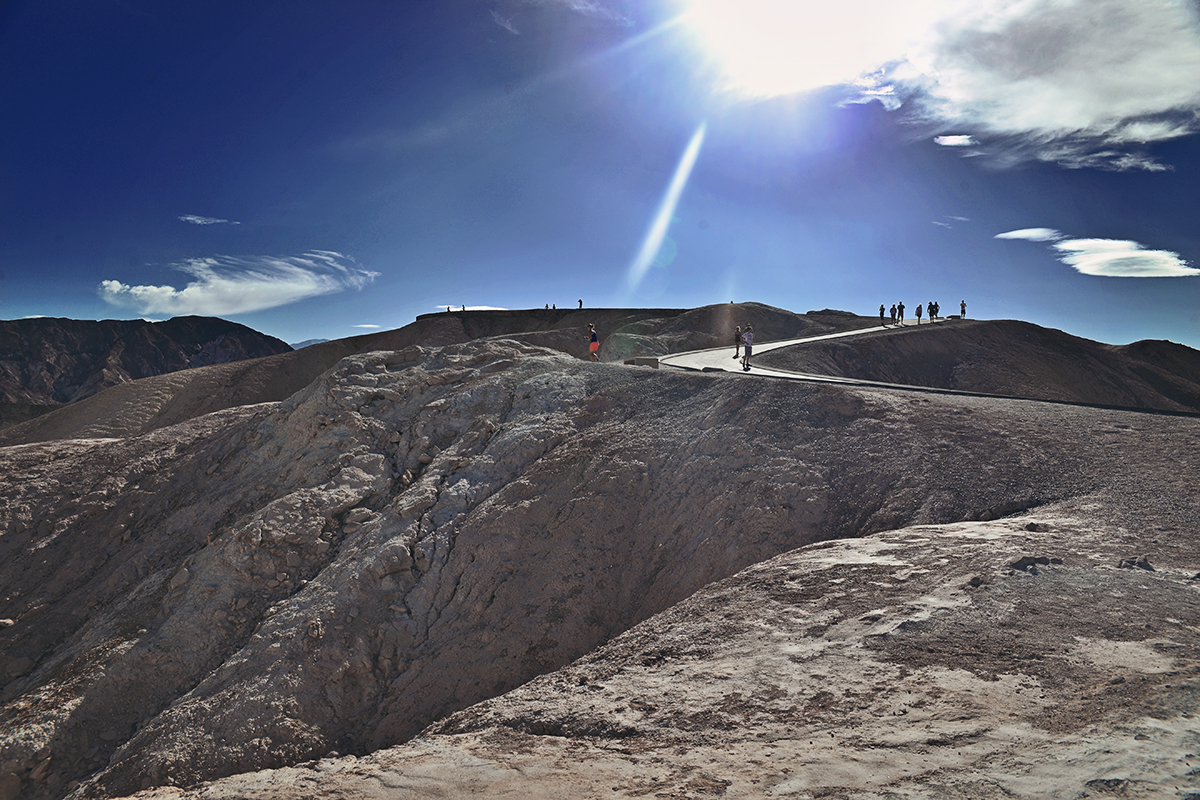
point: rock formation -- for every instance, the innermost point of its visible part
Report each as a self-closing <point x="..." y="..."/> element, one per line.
<point x="298" y="585"/>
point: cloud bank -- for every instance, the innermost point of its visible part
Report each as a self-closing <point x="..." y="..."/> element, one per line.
<point x="224" y="285"/>
<point x="1112" y="258"/>
<point x="1081" y="83"/>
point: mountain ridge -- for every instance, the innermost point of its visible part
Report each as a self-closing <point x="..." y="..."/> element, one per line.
<point x="53" y="361"/>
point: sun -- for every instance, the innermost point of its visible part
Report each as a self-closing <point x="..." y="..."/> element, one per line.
<point x="773" y="47"/>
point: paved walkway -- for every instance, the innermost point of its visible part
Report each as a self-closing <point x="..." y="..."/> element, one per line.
<point x="720" y="359"/>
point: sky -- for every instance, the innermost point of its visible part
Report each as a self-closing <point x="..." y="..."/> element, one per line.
<point x="325" y="169"/>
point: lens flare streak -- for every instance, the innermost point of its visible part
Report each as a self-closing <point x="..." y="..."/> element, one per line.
<point x="666" y="210"/>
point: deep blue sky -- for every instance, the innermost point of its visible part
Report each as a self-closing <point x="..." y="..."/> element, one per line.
<point x="321" y="169"/>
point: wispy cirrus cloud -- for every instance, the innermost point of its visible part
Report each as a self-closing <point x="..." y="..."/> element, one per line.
<point x="607" y="10"/>
<point x="604" y="11"/>
<point x="1033" y="235"/>
<point x="223" y="285"/>
<point x="1113" y="258"/>
<point x="198" y="220"/>
<point x="505" y="22"/>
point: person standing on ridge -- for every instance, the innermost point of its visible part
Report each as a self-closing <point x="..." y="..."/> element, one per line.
<point x="594" y="343"/>
<point x="962" y="309"/>
<point x="900" y="312"/>
<point x="893" y="313"/>
<point x="748" y="343"/>
<point x="918" y="313"/>
<point x="581" y="302"/>
<point x="737" y="341"/>
<point x="881" y="322"/>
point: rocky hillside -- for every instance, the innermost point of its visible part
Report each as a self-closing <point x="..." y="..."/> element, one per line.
<point x="296" y="585"/>
<point x="48" y="361"/>
<point x="129" y="409"/>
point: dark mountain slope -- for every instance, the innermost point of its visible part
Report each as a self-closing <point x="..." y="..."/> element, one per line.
<point x="1013" y="358"/>
<point x="56" y="361"/>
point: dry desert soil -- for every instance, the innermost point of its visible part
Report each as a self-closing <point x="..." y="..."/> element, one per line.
<point x="458" y="560"/>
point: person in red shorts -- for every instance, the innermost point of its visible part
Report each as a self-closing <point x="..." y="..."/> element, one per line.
<point x="594" y="346"/>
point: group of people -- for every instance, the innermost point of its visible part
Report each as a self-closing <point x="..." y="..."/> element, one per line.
<point x="743" y="340"/>
<point x="897" y="312"/>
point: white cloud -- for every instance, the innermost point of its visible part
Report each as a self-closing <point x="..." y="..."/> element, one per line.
<point x="195" y="220"/>
<point x="1116" y="258"/>
<point x="368" y="326"/>
<point x="957" y="140"/>
<point x="1064" y="81"/>
<point x="1112" y="258"/>
<point x="226" y="285"/>
<point x="1069" y="80"/>
<point x="1033" y="235"/>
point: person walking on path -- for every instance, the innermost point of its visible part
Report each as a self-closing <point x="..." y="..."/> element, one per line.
<point x="737" y="341"/>
<point x="581" y="302"/>
<point x="900" y="312"/>
<point x="893" y="313"/>
<point x="748" y="343"/>
<point x="918" y="313"/>
<point x="594" y="344"/>
<point x="962" y="309"/>
<point x="881" y="322"/>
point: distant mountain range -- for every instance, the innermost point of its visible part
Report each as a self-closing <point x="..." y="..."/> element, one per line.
<point x="48" y="362"/>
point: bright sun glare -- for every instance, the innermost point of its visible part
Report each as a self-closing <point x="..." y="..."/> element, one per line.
<point x="773" y="47"/>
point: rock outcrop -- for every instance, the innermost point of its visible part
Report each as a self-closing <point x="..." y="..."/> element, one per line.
<point x="913" y="663"/>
